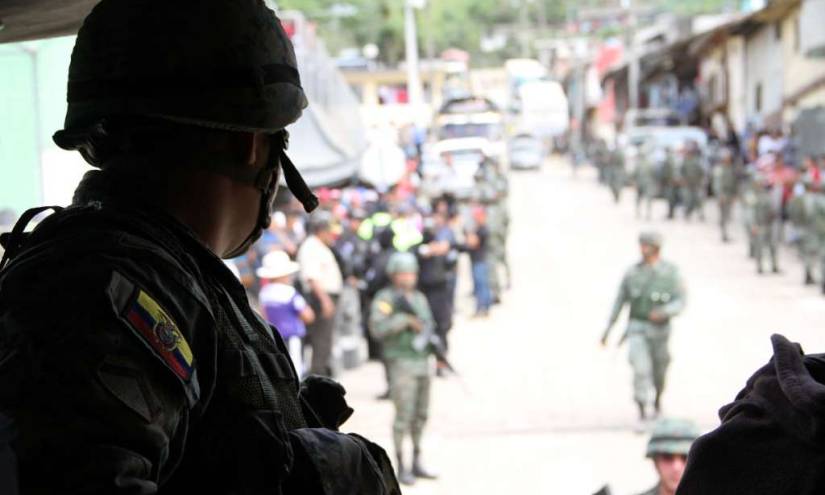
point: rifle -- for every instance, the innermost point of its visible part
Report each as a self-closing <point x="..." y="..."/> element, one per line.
<point x="426" y="339"/>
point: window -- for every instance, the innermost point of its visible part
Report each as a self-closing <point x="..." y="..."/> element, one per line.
<point x="757" y="104"/>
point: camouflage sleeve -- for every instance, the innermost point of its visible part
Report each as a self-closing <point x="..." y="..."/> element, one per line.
<point x="384" y="320"/>
<point x="679" y="299"/>
<point x="425" y="312"/>
<point x="94" y="411"/>
<point x="618" y="304"/>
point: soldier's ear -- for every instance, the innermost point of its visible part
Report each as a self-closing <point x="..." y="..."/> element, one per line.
<point x="250" y="148"/>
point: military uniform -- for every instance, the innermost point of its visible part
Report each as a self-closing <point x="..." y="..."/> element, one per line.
<point x="694" y="175"/>
<point x="725" y="188"/>
<point x="766" y="227"/>
<point x="801" y="212"/>
<point x="615" y="173"/>
<point x="672" y="181"/>
<point x="749" y="195"/>
<point x="410" y="365"/>
<point x="645" y="179"/>
<point x="148" y="368"/>
<point x="647" y="288"/>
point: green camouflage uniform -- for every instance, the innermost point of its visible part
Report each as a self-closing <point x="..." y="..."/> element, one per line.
<point x="694" y="174"/>
<point x="410" y="369"/>
<point x="801" y="211"/>
<point x="725" y="189"/>
<point x="766" y="225"/>
<point x="749" y="213"/>
<point x="615" y="173"/>
<point x="672" y="183"/>
<point x="818" y="226"/>
<point x="646" y="288"/>
<point x="645" y="179"/>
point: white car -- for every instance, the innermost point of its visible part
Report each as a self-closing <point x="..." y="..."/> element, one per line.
<point x="451" y="165"/>
<point x="526" y="152"/>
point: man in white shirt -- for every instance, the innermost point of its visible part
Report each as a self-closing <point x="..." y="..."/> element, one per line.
<point x="322" y="281"/>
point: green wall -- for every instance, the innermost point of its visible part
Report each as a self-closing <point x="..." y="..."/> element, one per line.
<point x="32" y="106"/>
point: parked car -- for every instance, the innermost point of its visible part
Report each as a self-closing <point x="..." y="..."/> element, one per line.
<point x="526" y="151"/>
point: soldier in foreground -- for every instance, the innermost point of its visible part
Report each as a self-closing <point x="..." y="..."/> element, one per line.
<point x="401" y="318"/>
<point x="668" y="448"/>
<point x="654" y="290"/>
<point x="150" y="373"/>
<point x="771" y="436"/>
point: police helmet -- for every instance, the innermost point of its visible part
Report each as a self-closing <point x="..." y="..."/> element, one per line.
<point x="651" y="238"/>
<point x="217" y="64"/>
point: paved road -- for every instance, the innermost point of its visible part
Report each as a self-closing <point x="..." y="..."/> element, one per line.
<point x="540" y="407"/>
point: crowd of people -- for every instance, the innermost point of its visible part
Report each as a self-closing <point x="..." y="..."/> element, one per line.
<point x="781" y="195"/>
<point x="322" y="279"/>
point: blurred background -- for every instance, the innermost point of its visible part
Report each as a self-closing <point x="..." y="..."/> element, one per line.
<point x="518" y="148"/>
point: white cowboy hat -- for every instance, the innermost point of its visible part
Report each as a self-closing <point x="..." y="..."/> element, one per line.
<point x="276" y="264"/>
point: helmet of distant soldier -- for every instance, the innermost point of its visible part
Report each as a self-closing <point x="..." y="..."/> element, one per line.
<point x="211" y="63"/>
<point x="651" y="238"/>
<point x="672" y="436"/>
<point x="402" y="262"/>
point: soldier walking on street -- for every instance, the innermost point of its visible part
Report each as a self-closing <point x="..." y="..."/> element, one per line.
<point x="802" y="212"/>
<point x="694" y="174"/>
<point x="654" y="290"/>
<point x="725" y="189"/>
<point x="645" y="180"/>
<point x="766" y="224"/>
<point x="616" y="173"/>
<point x="401" y="318"/>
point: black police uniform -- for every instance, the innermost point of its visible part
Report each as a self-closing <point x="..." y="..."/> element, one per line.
<point x="131" y="362"/>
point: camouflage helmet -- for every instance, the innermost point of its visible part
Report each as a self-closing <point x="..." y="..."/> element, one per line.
<point x="651" y="238"/>
<point x="672" y="436"/>
<point x="402" y="263"/>
<point x="225" y="64"/>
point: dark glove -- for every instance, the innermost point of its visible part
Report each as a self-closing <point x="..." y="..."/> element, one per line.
<point x="326" y="398"/>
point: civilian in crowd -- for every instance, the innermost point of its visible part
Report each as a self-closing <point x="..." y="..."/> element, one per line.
<point x="322" y="282"/>
<point x="283" y="306"/>
<point x="478" y="247"/>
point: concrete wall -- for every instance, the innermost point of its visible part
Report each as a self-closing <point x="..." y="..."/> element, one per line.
<point x="763" y="66"/>
<point x="800" y="70"/>
<point x="737" y="86"/>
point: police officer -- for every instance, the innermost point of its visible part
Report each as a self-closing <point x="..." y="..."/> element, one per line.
<point x="654" y="290"/>
<point x="400" y="315"/>
<point x="150" y="373"/>
<point x="668" y="448"/>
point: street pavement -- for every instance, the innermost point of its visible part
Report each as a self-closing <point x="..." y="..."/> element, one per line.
<point x="539" y="407"/>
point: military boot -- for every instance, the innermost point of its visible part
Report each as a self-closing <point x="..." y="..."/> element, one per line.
<point x="418" y="471"/>
<point x="405" y="477"/>
<point x="809" y="279"/>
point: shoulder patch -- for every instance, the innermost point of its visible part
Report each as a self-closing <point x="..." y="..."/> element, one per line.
<point x="155" y="326"/>
<point x="384" y="307"/>
<point x="151" y="323"/>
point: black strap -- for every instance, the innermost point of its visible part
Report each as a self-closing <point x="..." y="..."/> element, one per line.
<point x="13" y="241"/>
<point x="181" y="84"/>
<point x="297" y="185"/>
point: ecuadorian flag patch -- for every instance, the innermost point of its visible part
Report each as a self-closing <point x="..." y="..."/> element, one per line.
<point x="161" y="333"/>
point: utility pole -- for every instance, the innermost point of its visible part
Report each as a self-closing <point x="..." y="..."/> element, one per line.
<point x="411" y="50"/>
<point x="633" y="56"/>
